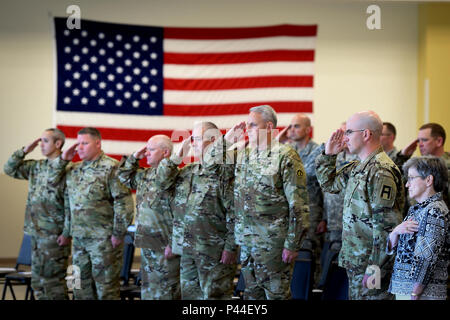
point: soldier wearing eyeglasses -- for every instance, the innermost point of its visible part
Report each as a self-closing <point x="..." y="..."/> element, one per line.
<point x="373" y="201"/>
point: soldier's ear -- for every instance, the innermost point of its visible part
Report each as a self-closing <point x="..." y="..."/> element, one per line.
<point x="58" y="144"/>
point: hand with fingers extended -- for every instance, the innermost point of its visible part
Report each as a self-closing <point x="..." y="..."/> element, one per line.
<point x="289" y="256"/>
<point x="185" y="147"/>
<point x="70" y="153"/>
<point x="236" y="133"/>
<point x="29" y="148"/>
<point x="140" y="154"/>
<point x="282" y="136"/>
<point x="335" y="143"/>
<point x="410" y="148"/>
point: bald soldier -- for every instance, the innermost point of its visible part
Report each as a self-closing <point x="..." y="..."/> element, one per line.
<point x="298" y="134"/>
<point x="101" y="209"/>
<point x="374" y="198"/>
<point x="203" y="219"/>
<point x="271" y="206"/>
<point x="160" y="269"/>
<point x="45" y="217"/>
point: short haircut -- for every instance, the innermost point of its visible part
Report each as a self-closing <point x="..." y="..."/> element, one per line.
<point x="209" y="129"/>
<point x="436" y="130"/>
<point x="429" y="165"/>
<point x="390" y="127"/>
<point x="267" y="113"/>
<point x="163" y="142"/>
<point x="93" y="132"/>
<point x="57" y="135"/>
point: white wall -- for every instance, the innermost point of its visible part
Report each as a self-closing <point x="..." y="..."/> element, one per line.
<point x="356" y="69"/>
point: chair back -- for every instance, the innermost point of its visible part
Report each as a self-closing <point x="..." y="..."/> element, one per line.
<point x="302" y="277"/>
<point x="128" y="257"/>
<point x="24" y="257"/>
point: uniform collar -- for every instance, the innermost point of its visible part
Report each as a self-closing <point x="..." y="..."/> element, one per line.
<point x="362" y="165"/>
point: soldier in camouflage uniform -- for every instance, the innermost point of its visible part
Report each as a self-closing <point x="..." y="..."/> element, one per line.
<point x="160" y="269"/>
<point x="271" y="207"/>
<point x="44" y="216"/>
<point x="298" y="133"/>
<point x="374" y="198"/>
<point x="387" y="142"/>
<point x="101" y="209"/>
<point x="203" y="219"/>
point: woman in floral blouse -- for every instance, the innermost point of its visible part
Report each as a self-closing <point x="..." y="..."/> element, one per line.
<point x="422" y="240"/>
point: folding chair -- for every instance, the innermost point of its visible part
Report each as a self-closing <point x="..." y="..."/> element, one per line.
<point x="303" y="275"/>
<point x="126" y="289"/>
<point x="20" y="277"/>
<point x="334" y="281"/>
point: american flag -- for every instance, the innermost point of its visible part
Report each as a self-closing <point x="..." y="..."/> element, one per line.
<point x="132" y="82"/>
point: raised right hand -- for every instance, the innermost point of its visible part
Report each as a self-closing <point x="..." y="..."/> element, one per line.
<point x="69" y="153"/>
<point x="31" y="146"/>
<point x="335" y="143"/>
<point x="282" y="136"/>
<point x="140" y="153"/>
<point x="236" y="133"/>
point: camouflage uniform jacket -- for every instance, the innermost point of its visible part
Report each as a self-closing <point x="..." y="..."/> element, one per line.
<point x="308" y="156"/>
<point x="100" y="206"/>
<point x="333" y="203"/>
<point x="153" y="218"/>
<point x="203" y="205"/>
<point x="45" y="212"/>
<point x="271" y="200"/>
<point x="373" y="202"/>
<point x="398" y="158"/>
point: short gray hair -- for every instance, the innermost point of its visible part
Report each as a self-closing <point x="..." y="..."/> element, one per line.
<point x="57" y="135"/>
<point x="267" y="113"/>
<point x="429" y="165"/>
<point x="209" y="129"/>
<point x="163" y="142"/>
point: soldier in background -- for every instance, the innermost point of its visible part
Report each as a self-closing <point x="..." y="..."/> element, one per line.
<point x="271" y="206"/>
<point x="387" y="142"/>
<point x="374" y="198"/>
<point x="45" y="218"/>
<point x="160" y="268"/>
<point x="101" y="209"/>
<point x="203" y="219"/>
<point x="299" y="135"/>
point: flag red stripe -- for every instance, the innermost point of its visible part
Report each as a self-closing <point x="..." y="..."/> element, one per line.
<point x="238" y="57"/>
<point x="240" y="33"/>
<point x="238" y="83"/>
<point x="116" y="133"/>
<point x="238" y="108"/>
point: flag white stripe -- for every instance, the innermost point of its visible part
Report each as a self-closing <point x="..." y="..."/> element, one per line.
<point x="180" y="71"/>
<point x="205" y="97"/>
<point x="120" y="121"/>
<point x="239" y="45"/>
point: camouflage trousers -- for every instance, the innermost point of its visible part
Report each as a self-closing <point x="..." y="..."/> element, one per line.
<point x="204" y="277"/>
<point x="160" y="277"/>
<point x="49" y="263"/>
<point x="336" y="237"/>
<point x="266" y="276"/>
<point x="100" y="267"/>
<point x="356" y="291"/>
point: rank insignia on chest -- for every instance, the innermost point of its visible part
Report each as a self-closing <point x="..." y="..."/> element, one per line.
<point x="299" y="173"/>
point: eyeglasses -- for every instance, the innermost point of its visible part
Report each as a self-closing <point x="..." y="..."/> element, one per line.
<point x="412" y="178"/>
<point x="349" y="131"/>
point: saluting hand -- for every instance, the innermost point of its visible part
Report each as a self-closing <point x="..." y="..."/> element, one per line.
<point x="140" y="153"/>
<point x="335" y="143"/>
<point x="410" y="148"/>
<point x="282" y="136"/>
<point x="185" y="147"/>
<point x="31" y="146"/>
<point x="236" y="133"/>
<point x="70" y="153"/>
